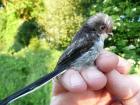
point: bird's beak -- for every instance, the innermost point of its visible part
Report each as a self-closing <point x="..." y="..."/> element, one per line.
<point x="111" y="34"/>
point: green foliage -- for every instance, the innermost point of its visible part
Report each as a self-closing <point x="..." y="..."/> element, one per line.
<point x="23" y="68"/>
<point x="7" y="31"/>
<point x="18" y="23"/>
<point x="62" y="21"/>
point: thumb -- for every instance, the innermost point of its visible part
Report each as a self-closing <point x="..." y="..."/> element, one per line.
<point x="124" y="87"/>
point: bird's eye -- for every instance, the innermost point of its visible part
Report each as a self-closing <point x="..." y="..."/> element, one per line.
<point x="102" y="27"/>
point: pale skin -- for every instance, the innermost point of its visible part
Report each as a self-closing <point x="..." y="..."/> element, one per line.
<point x="106" y="84"/>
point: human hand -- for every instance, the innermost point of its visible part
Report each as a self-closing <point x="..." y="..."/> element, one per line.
<point x="93" y="87"/>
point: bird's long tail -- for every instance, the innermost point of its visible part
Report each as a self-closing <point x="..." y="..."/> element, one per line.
<point x="2" y="102"/>
<point x="32" y="87"/>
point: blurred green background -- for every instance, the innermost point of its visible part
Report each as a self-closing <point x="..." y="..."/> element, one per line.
<point x="34" y="33"/>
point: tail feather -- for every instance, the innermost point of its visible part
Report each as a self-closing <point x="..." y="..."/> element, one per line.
<point x="3" y="102"/>
<point x="32" y="87"/>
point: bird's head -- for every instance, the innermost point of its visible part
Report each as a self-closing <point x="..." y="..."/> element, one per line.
<point x="102" y="24"/>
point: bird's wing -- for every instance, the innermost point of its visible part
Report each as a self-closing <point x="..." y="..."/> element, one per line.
<point x="76" y="49"/>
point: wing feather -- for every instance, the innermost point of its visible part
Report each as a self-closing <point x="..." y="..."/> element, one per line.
<point x="77" y="48"/>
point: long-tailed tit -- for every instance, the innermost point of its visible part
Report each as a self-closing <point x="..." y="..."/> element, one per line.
<point x="83" y="50"/>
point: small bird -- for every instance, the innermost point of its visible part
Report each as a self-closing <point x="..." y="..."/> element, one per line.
<point x="83" y="51"/>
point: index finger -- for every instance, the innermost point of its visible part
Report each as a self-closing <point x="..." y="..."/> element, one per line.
<point x="107" y="61"/>
<point x="123" y="66"/>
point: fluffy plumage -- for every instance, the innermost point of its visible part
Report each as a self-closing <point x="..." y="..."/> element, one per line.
<point x="83" y="50"/>
<point x="88" y="42"/>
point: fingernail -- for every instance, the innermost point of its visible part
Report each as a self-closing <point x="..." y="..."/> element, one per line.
<point x="123" y="65"/>
<point x="123" y="62"/>
<point x="75" y="80"/>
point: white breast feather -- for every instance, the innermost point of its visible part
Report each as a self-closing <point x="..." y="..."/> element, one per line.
<point x="90" y="56"/>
